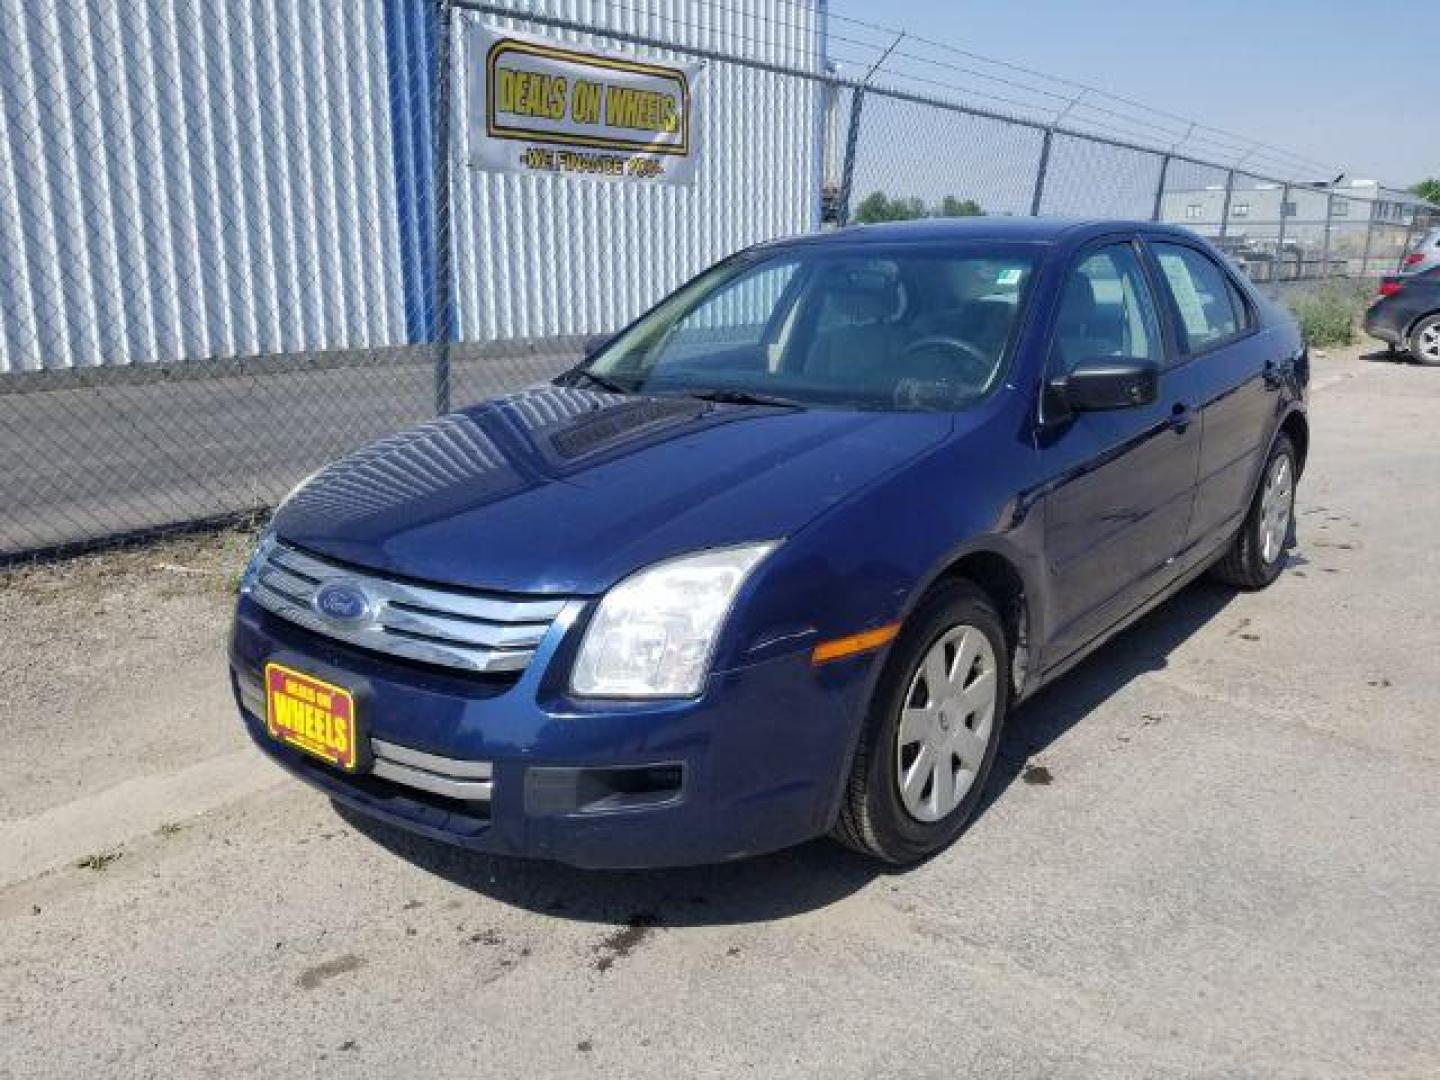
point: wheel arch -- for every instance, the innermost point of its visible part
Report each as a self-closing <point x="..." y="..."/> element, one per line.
<point x="1000" y="578"/>
<point x="1415" y="323"/>
<point x="1297" y="427"/>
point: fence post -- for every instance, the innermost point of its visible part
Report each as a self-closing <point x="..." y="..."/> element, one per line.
<point x="1160" y="188"/>
<point x="1040" y="172"/>
<point x="1369" y="236"/>
<point x="847" y="168"/>
<point x="1325" y="247"/>
<point x="1225" y="206"/>
<point x="444" y="233"/>
<point x="1276" y="274"/>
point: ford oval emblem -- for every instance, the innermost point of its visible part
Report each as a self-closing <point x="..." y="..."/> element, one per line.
<point x="342" y="601"/>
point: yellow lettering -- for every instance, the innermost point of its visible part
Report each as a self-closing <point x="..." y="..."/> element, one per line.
<point x="528" y="93"/>
<point x="506" y="87"/>
<point x="585" y="105"/>
<point x="641" y="110"/>
<point x="557" y="98"/>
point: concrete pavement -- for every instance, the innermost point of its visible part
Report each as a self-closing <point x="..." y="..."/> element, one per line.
<point x="1212" y="851"/>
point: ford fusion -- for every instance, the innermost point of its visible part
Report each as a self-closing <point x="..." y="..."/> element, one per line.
<point x="776" y="560"/>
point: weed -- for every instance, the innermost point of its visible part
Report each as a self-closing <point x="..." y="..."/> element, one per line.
<point x="98" y="860"/>
<point x="1329" y="314"/>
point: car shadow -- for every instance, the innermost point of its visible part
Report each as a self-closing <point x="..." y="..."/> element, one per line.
<point x="813" y="875"/>
<point x="1385" y="356"/>
<point x="1139" y="650"/>
<point x="759" y="889"/>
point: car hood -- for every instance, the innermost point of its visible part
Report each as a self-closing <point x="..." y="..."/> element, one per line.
<point x="562" y="490"/>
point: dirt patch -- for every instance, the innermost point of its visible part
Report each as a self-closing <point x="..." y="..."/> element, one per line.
<point x="1037" y="774"/>
<point x="312" y="977"/>
<point x="113" y="666"/>
<point x="624" y="941"/>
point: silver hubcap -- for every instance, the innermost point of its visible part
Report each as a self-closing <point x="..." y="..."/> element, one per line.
<point x="1276" y="502"/>
<point x="1429" y="343"/>
<point x="946" y="723"/>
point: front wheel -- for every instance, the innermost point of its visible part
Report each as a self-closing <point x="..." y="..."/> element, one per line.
<point x="934" y="723"/>
<point x="1257" y="554"/>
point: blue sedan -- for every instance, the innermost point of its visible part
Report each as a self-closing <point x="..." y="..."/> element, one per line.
<point x="777" y="560"/>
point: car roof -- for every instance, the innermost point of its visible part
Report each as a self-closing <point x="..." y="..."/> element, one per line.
<point x="1014" y="229"/>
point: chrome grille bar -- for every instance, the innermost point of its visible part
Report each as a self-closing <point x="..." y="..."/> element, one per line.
<point x="453" y="629"/>
<point x="452" y="777"/>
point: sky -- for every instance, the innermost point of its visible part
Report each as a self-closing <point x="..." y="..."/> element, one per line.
<point x="1340" y="82"/>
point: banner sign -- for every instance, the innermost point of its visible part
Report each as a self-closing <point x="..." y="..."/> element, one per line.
<point x="539" y="107"/>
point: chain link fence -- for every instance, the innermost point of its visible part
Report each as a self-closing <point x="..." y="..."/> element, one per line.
<point x="237" y="239"/>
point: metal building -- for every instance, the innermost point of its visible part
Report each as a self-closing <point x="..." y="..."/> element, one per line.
<point x="195" y="179"/>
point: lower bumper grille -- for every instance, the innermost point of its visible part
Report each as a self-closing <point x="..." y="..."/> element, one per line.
<point x="451" y="778"/>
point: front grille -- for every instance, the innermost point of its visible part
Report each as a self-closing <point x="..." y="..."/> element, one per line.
<point x="468" y="631"/>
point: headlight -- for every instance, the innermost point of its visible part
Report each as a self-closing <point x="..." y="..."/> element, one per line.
<point x="654" y="632"/>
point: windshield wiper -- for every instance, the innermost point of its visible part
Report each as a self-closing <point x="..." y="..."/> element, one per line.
<point x="575" y="374"/>
<point x="732" y="396"/>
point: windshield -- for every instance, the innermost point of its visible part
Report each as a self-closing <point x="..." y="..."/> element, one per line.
<point x="898" y="328"/>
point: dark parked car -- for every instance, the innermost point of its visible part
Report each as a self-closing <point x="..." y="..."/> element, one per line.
<point x="1406" y="314"/>
<point x="1424" y="256"/>
<point x="777" y="560"/>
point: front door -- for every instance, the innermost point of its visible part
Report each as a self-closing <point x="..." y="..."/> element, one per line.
<point x="1120" y="484"/>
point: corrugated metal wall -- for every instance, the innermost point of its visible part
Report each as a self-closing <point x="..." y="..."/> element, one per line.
<point x="184" y="179"/>
<point x="193" y="178"/>
<point x="546" y="255"/>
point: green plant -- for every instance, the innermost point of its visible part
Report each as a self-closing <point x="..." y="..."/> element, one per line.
<point x="1330" y="313"/>
<point x="950" y="206"/>
<point x="1429" y="190"/>
<point x="877" y="206"/>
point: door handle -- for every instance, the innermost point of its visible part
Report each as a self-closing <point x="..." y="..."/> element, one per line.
<point x="1180" y="417"/>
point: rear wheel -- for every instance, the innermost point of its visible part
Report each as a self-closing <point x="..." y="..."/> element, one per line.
<point x="929" y="741"/>
<point x="1257" y="554"/>
<point x="1425" y="340"/>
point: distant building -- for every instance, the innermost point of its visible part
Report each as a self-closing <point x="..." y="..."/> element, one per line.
<point x="1277" y="231"/>
<point x="1262" y="201"/>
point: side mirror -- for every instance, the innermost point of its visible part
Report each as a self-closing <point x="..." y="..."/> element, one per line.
<point x="593" y="344"/>
<point x="1104" y="383"/>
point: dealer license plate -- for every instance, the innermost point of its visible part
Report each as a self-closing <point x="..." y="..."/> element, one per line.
<point x="311" y="715"/>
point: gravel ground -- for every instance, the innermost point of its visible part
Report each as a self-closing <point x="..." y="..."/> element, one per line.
<point x="1212" y="851"/>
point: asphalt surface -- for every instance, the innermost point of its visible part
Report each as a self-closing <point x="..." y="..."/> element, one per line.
<point x="1212" y="851"/>
<point x="116" y="451"/>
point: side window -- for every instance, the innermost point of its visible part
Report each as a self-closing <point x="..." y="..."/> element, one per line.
<point x="1203" y="295"/>
<point x="1106" y="310"/>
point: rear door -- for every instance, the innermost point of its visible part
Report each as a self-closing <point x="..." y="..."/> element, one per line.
<point x="1120" y="483"/>
<point x="1233" y="373"/>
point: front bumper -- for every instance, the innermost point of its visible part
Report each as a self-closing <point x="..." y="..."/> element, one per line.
<point x="753" y="765"/>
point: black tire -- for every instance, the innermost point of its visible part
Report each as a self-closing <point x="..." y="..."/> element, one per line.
<point x="1243" y="565"/>
<point x="1429" y="324"/>
<point x="873" y="819"/>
